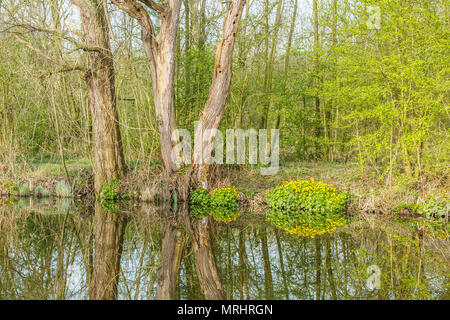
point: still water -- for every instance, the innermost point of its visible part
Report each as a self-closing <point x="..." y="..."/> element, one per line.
<point x="59" y="249"/>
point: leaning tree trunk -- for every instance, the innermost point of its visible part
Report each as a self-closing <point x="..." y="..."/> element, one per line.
<point x="214" y="109"/>
<point x="108" y="153"/>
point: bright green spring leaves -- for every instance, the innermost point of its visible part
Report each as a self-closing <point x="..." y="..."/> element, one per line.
<point x="200" y="203"/>
<point x="436" y="206"/>
<point x="307" y="208"/>
<point x="222" y="204"/>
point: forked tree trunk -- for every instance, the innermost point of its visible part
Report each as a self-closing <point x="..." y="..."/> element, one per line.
<point x="161" y="52"/>
<point x="108" y="153"/>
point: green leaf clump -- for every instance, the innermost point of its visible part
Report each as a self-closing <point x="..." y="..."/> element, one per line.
<point x="221" y="203"/>
<point x="306" y="207"/>
<point x="200" y="203"/>
<point x="110" y="190"/>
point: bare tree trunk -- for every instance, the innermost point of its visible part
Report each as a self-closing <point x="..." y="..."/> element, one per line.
<point x="214" y="109"/>
<point x="109" y="161"/>
<point x="161" y="52"/>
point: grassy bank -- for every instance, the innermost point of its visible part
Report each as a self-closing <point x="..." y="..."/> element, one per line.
<point x="371" y="195"/>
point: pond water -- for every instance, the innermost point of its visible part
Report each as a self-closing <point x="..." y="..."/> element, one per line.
<point x="59" y="249"/>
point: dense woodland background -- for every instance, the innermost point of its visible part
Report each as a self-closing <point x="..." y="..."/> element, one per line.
<point x="337" y="88"/>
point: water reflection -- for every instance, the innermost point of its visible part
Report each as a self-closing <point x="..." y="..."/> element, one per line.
<point x="56" y="250"/>
<point x="109" y="229"/>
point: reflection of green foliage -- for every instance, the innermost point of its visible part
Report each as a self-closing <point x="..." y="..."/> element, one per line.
<point x="437" y="229"/>
<point x="222" y="203"/>
<point x="200" y="203"/>
<point x="306" y="207"/>
<point x="436" y="206"/>
<point x="110" y="206"/>
<point x="63" y="205"/>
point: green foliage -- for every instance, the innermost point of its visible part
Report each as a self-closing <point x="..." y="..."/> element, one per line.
<point x="404" y="207"/>
<point x="222" y="204"/>
<point x="110" y="206"/>
<point x="40" y="191"/>
<point x="24" y="190"/>
<point x="436" y="206"/>
<point x="110" y="190"/>
<point x="307" y="207"/>
<point x="225" y="204"/>
<point x="200" y="203"/>
<point x="63" y="189"/>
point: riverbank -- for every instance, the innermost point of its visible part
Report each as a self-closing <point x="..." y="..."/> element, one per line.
<point x="371" y="195"/>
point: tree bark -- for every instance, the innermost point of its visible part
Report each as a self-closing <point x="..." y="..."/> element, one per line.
<point x="109" y="162"/>
<point x="161" y="52"/>
<point x="214" y="109"/>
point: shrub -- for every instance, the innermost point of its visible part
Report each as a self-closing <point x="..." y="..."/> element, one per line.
<point x="225" y="204"/>
<point x="306" y="207"/>
<point x="436" y="206"/>
<point x="24" y="190"/>
<point x="222" y="204"/>
<point x="40" y="191"/>
<point x="200" y="203"/>
<point x="63" y="189"/>
<point x="110" y="190"/>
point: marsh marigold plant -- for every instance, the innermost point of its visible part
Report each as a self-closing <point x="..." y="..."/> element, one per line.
<point x="307" y="207"/>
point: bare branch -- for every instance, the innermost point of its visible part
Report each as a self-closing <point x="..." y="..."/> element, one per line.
<point x="159" y="7"/>
<point x="67" y="66"/>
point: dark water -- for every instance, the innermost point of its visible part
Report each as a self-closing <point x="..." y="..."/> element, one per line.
<point x="57" y="249"/>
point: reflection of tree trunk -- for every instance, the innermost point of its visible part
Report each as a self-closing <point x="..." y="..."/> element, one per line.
<point x="283" y="272"/>
<point x="242" y="265"/>
<point x="229" y="264"/>
<point x="192" y="289"/>
<point x="205" y="263"/>
<point x="329" y="269"/>
<point x="267" y="269"/>
<point x="108" y="234"/>
<point x="172" y="248"/>
<point x="318" y="260"/>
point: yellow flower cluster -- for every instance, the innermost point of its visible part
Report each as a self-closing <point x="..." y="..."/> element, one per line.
<point x="228" y="190"/>
<point x="305" y="188"/>
<point x="442" y="235"/>
<point x="307" y="230"/>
